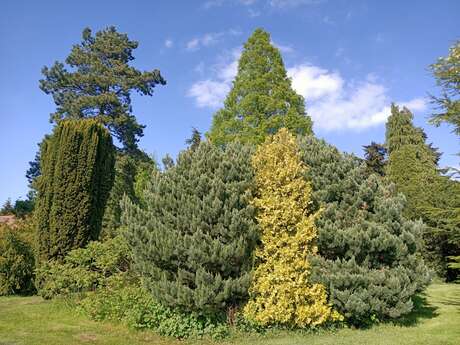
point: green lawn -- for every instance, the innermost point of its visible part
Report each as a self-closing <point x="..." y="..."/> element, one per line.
<point x="33" y="321"/>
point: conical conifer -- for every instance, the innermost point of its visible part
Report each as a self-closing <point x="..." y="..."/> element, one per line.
<point x="261" y="100"/>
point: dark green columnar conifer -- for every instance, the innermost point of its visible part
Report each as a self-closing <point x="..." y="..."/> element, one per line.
<point x="262" y="99"/>
<point x="375" y="156"/>
<point x="430" y="196"/>
<point x="193" y="236"/>
<point x="98" y="81"/>
<point x="75" y="181"/>
<point x="369" y="253"/>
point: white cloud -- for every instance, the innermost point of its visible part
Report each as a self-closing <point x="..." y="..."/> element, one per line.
<point x="209" y="93"/>
<point x="331" y="101"/>
<point x="335" y="104"/>
<point x="212" y="92"/>
<point x="169" y="43"/>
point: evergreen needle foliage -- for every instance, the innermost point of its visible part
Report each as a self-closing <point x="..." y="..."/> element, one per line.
<point x="281" y="292"/>
<point x="262" y="99"/>
<point x="98" y="82"/>
<point x="77" y="175"/>
<point x="430" y="196"/>
<point x="193" y="235"/>
<point x="369" y="254"/>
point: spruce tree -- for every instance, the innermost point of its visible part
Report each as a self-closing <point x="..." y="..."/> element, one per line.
<point x="98" y="81"/>
<point x="76" y="178"/>
<point x="262" y="99"/>
<point x="193" y="235"/>
<point x="281" y="292"/>
<point x="369" y="253"/>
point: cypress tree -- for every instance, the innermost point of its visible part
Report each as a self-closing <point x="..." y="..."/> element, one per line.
<point x="76" y="177"/>
<point x="369" y="253"/>
<point x="430" y="196"/>
<point x="193" y="235"/>
<point x="262" y="99"/>
<point x="281" y="292"/>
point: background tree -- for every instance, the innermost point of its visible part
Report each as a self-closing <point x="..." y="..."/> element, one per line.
<point x="281" y="292"/>
<point x="192" y="237"/>
<point x="374" y="154"/>
<point x="430" y="196"/>
<point x="75" y="181"/>
<point x="447" y="74"/>
<point x="99" y="84"/>
<point x="262" y="99"/>
<point x="7" y="208"/>
<point x="194" y="141"/>
<point x="369" y="253"/>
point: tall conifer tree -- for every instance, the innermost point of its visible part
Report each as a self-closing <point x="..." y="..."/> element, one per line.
<point x="76" y="178"/>
<point x="193" y="234"/>
<point x="282" y="292"/>
<point x="430" y="196"/>
<point x="262" y="99"/>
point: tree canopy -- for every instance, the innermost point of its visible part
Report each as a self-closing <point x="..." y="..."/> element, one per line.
<point x="97" y="80"/>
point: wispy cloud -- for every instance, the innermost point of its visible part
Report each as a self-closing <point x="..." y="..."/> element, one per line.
<point x="169" y="43"/>
<point x="209" y="39"/>
<point x="293" y="3"/>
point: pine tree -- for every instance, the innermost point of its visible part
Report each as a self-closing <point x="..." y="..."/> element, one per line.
<point x="193" y="235"/>
<point x="76" y="177"/>
<point x="98" y="82"/>
<point x="281" y="292"/>
<point x="374" y="155"/>
<point x="369" y="253"/>
<point x="262" y="99"/>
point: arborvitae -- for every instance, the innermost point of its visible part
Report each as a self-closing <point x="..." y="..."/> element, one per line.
<point x="374" y="155"/>
<point x="193" y="235"/>
<point x="262" y="99"/>
<point x="369" y="255"/>
<point x="75" y="181"/>
<point x="281" y="292"/>
<point x="430" y="196"/>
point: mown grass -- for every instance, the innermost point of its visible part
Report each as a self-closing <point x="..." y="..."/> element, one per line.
<point x="33" y="321"/>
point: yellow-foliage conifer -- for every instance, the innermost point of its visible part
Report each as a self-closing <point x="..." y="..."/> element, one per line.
<point x="281" y="293"/>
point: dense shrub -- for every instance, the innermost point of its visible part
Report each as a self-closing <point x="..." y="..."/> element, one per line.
<point x="193" y="236"/>
<point x="369" y="253"/>
<point x="83" y="269"/>
<point x="135" y="306"/>
<point x="17" y="262"/>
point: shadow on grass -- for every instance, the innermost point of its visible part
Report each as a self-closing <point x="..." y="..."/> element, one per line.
<point x="422" y="310"/>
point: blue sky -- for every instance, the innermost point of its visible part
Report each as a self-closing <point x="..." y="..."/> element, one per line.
<point x="350" y="59"/>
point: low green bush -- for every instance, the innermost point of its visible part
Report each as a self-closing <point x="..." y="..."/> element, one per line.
<point x="16" y="262"/>
<point x="83" y="269"/>
<point x="134" y="306"/>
